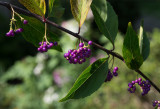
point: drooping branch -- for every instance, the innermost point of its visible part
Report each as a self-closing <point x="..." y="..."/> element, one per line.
<point x="110" y="52"/>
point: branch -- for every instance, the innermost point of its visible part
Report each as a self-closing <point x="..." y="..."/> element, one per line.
<point x="25" y="12"/>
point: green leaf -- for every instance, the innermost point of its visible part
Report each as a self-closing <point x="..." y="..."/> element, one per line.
<point x="156" y="107"/>
<point x="144" y="43"/>
<point x="51" y="2"/>
<point x="131" y="50"/>
<point x="80" y="10"/>
<point x="35" y="6"/>
<point x="57" y="12"/>
<point x="105" y="18"/>
<point x="34" y="32"/>
<point x="89" y="81"/>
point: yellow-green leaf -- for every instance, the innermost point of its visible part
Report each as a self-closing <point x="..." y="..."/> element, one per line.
<point x="35" y="6"/>
<point x="51" y="2"/>
<point x="80" y="10"/>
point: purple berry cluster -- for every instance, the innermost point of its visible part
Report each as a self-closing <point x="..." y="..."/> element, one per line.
<point x="156" y="103"/>
<point x="78" y="56"/>
<point x="44" y="46"/>
<point x="12" y="32"/>
<point x="110" y="74"/>
<point x="145" y="86"/>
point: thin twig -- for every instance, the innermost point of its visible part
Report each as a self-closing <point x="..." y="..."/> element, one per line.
<point x="22" y="11"/>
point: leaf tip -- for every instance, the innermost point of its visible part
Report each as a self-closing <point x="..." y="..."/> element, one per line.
<point x="62" y="100"/>
<point x="129" y="24"/>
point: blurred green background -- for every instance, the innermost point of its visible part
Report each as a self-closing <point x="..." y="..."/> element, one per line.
<point x="32" y="80"/>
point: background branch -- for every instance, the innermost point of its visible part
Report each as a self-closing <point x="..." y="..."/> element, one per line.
<point x="25" y="12"/>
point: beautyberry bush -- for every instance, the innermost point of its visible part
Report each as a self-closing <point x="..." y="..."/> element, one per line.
<point x="136" y="47"/>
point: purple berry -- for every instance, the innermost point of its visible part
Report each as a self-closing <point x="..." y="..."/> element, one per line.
<point x="133" y="82"/>
<point x="89" y="50"/>
<point x="44" y="49"/>
<point x="21" y="30"/>
<point x="75" y="60"/>
<point x="81" y="44"/>
<point x="116" y="68"/>
<point x="11" y="31"/>
<point x="136" y="81"/>
<point x="12" y="34"/>
<point x="84" y="60"/>
<point x="81" y="49"/>
<point x="17" y="31"/>
<point x="89" y="42"/>
<point x="40" y="43"/>
<point x="154" y="105"/>
<point x="55" y="43"/>
<point x="159" y="105"/>
<point x="25" y="22"/>
<point x="8" y="34"/>
<point x="39" y="49"/>
<point x="115" y="73"/>
<point x="130" y="85"/>
<point x="85" y="49"/>
<point x="69" y="51"/>
<point x="139" y="79"/>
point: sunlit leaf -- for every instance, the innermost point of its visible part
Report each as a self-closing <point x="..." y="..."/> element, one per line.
<point x="105" y="18"/>
<point x="131" y="50"/>
<point x="80" y="10"/>
<point x="35" y="6"/>
<point x="89" y="81"/>
<point x="144" y="43"/>
<point x="51" y="2"/>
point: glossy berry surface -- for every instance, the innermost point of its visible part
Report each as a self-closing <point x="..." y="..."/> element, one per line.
<point x="25" y="22"/>
<point x="78" y="56"/>
<point x="81" y="44"/>
<point x="145" y="86"/>
<point x="44" y="46"/>
<point x="19" y="30"/>
<point x="110" y="74"/>
<point x="10" y="33"/>
<point x="90" y="42"/>
<point x="156" y="103"/>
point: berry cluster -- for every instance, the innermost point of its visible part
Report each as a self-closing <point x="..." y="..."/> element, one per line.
<point x="110" y="74"/>
<point x="145" y="86"/>
<point x="156" y="103"/>
<point x="12" y="32"/>
<point x="44" y="46"/>
<point x="78" y="56"/>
